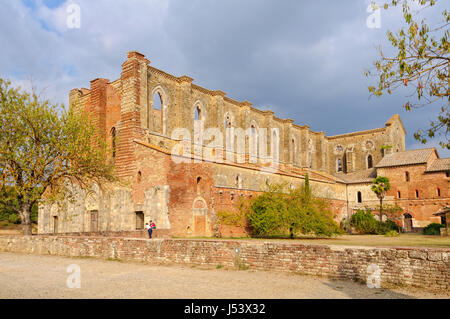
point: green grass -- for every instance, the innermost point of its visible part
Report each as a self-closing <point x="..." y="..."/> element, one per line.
<point x="7" y="225"/>
<point x="402" y="240"/>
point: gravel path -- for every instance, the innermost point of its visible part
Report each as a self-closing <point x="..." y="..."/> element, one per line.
<point x="31" y="276"/>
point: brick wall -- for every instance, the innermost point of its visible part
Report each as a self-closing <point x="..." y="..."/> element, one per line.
<point x="418" y="267"/>
<point x="428" y="202"/>
<point x="157" y="233"/>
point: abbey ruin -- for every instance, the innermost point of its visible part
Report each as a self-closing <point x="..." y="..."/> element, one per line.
<point x="140" y="115"/>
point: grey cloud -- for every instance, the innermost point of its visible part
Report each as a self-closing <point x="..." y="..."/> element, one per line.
<point x="302" y="59"/>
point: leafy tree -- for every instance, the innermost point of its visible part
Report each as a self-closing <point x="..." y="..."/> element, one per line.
<point x="421" y="63"/>
<point x="8" y="199"/>
<point x="269" y="214"/>
<point x="392" y="211"/>
<point x="307" y="188"/>
<point x="237" y="217"/>
<point x="43" y="147"/>
<point x="278" y="212"/>
<point x="380" y="186"/>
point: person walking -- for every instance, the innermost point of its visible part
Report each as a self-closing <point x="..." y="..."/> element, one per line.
<point x="149" y="229"/>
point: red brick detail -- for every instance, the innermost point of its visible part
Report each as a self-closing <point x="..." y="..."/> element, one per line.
<point x="429" y="202"/>
<point x="97" y="104"/>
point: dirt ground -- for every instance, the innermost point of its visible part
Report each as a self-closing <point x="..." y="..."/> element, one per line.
<point x="31" y="276"/>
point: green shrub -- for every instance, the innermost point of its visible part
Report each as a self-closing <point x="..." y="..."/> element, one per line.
<point x="14" y="219"/>
<point x="387" y="226"/>
<point x="391" y="233"/>
<point x="279" y="212"/>
<point x="433" y="229"/>
<point x="365" y="224"/>
<point x="392" y="225"/>
<point x="5" y="224"/>
<point x="345" y="224"/>
<point x="237" y="217"/>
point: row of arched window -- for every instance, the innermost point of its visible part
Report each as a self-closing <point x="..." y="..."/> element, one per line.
<point x="340" y="163"/>
<point x="158" y="107"/>
<point x="159" y="104"/>
<point x="417" y="193"/>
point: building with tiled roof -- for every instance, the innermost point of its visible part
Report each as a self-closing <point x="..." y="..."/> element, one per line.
<point x="409" y="157"/>
<point x="419" y="181"/>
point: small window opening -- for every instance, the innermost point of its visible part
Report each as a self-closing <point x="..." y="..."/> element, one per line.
<point x="139" y="220"/>
<point x="55" y="224"/>
<point x="113" y="141"/>
<point x="198" y="114"/>
<point x="227" y="122"/>
<point x="369" y="161"/>
<point x="238" y="181"/>
<point x="339" y="165"/>
<point x="199" y="179"/>
<point x="157" y="103"/>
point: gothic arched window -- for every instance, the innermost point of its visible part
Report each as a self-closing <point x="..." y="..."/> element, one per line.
<point x="113" y="142"/>
<point x="369" y="161"/>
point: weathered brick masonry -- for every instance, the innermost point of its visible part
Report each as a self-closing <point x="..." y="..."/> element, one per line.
<point x="418" y="267"/>
<point x="157" y="233"/>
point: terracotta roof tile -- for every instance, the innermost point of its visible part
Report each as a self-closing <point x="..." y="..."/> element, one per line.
<point x="365" y="176"/>
<point x="439" y="165"/>
<point x="406" y="158"/>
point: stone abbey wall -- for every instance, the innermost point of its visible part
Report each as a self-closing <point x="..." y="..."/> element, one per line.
<point x="181" y="182"/>
<point x="417" y="267"/>
<point x="355" y="148"/>
<point x="132" y="97"/>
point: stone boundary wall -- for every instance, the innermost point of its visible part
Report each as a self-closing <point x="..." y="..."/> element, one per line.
<point x="418" y="267"/>
<point x="143" y="233"/>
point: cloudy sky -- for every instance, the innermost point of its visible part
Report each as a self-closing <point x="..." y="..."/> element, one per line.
<point x="304" y="60"/>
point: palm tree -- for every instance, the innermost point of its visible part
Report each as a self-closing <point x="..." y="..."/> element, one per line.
<point x="380" y="186"/>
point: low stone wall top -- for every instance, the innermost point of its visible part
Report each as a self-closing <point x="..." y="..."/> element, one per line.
<point x="427" y="268"/>
<point x="157" y="233"/>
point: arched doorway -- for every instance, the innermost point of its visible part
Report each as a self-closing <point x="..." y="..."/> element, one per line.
<point x="199" y="218"/>
<point x="407" y="223"/>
